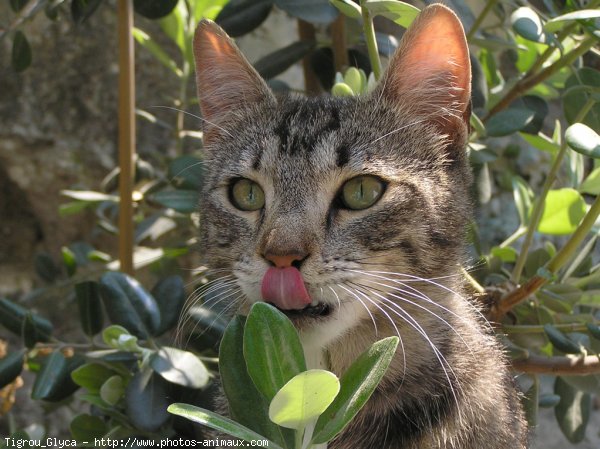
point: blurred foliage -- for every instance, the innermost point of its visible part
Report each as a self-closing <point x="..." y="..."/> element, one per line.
<point x="535" y="95"/>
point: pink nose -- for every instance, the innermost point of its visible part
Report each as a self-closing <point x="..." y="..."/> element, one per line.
<point x="285" y="260"/>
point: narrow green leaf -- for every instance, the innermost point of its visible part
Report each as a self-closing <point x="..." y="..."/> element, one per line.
<point x="81" y="10"/>
<point x="401" y="13"/>
<point x="170" y="298"/>
<point x="129" y="304"/>
<point x="112" y="390"/>
<point x="573" y="410"/>
<point x="583" y="139"/>
<point x="563" y="211"/>
<point x="304" y="398"/>
<point x="272" y="349"/>
<point x="557" y="23"/>
<point x="184" y="201"/>
<point x="12" y="316"/>
<point x="89" y="303"/>
<point x="313" y="11"/>
<point x="523" y="197"/>
<point x="154" y="9"/>
<point x="186" y="172"/>
<point x="92" y="376"/>
<point x="280" y="60"/>
<point x="149" y="44"/>
<point x="180" y="367"/>
<point x="509" y="121"/>
<point x="357" y="385"/>
<point x="241" y="17"/>
<point x="21" y="52"/>
<point x="348" y="8"/>
<point x="241" y="391"/>
<point x="591" y="184"/>
<point x="89" y="195"/>
<point x="548" y="400"/>
<point x="217" y="422"/>
<point x="560" y="340"/>
<point x="11" y="366"/>
<point x="541" y="142"/>
<point x="53" y="382"/>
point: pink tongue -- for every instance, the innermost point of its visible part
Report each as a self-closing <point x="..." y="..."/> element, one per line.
<point x="285" y="288"/>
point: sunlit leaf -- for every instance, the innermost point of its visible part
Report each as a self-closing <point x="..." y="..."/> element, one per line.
<point x="563" y="211"/>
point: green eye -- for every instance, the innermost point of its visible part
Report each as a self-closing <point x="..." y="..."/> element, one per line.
<point x="247" y="195"/>
<point x="362" y="192"/>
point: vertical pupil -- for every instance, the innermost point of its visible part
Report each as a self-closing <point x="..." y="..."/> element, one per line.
<point x="250" y="193"/>
<point x="361" y="191"/>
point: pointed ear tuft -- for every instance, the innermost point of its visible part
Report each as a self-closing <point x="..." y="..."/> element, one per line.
<point x="224" y="77"/>
<point x="431" y="68"/>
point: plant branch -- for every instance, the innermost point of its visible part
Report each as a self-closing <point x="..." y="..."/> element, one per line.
<point x="306" y="32"/>
<point x="488" y="7"/>
<point x="513" y="329"/>
<point x="338" y="40"/>
<point x="559" y="366"/>
<point x="527" y="82"/>
<point x="369" y="31"/>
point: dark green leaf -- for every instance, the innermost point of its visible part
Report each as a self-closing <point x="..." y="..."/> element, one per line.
<point x="154" y="227"/>
<point x="87" y="427"/>
<point x="594" y="330"/>
<point x="280" y="60"/>
<point x="217" y="422"/>
<point x="53" y="383"/>
<point x="12" y="316"/>
<point x="81" y="10"/>
<point x="180" y="367"/>
<point x="89" y="304"/>
<point x="531" y="403"/>
<point x="560" y="340"/>
<point x="129" y="304"/>
<point x="240" y="17"/>
<point x="549" y="400"/>
<point x="573" y="410"/>
<point x="313" y="11"/>
<point x="146" y="401"/>
<point x="21" y="52"/>
<point x="586" y="384"/>
<point x="10" y="367"/>
<point x="528" y="24"/>
<point x="184" y="201"/>
<point x="154" y="9"/>
<point x="536" y="104"/>
<point x="17" y="5"/>
<point x="45" y="267"/>
<point x="575" y="99"/>
<point x="241" y="391"/>
<point x="92" y="376"/>
<point x="357" y="385"/>
<point x="272" y="349"/>
<point x="509" y="121"/>
<point x="186" y="172"/>
<point x="479" y="87"/>
<point x="170" y="298"/>
<point x="208" y="326"/>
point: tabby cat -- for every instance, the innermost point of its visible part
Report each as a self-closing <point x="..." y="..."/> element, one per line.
<point x="348" y="214"/>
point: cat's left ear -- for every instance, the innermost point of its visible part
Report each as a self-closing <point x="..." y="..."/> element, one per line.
<point x="431" y="69"/>
<point x="224" y="78"/>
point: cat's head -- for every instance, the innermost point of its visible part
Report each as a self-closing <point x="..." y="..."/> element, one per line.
<point x="312" y="203"/>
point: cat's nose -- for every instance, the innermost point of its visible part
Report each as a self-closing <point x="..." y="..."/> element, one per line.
<point x="286" y="260"/>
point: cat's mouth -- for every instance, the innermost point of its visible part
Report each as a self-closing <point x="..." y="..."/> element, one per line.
<point x="313" y="310"/>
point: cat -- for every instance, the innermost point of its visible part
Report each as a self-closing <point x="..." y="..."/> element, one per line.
<point x="349" y="215"/>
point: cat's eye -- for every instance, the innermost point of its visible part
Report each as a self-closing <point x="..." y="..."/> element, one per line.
<point x="247" y="195"/>
<point x="361" y="192"/>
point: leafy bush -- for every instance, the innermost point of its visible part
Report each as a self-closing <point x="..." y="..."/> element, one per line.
<point x="535" y="95"/>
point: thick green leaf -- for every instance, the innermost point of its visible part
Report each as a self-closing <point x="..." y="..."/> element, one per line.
<point x="154" y="9"/>
<point x="239" y="17"/>
<point x="184" y="201"/>
<point x="45" y="267"/>
<point x="129" y="304"/>
<point x="89" y="303"/>
<point x="12" y="316"/>
<point x="81" y="10"/>
<point x="548" y="400"/>
<point x="509" y="121"/>
<point x="280" y="60"/>
<point x="341" y="90"/>
<point x="591" y="184"/>
<point x="92" y="376"/>
<point x="154" y="227"/>
<point x="539" y="106"/>
<point x="357" y="385"/>
<point x="21" y="52"/>
<point x="241" y="391"/>
<point x="583" y="139"/>
<point x="217" y="422"/>
<point x="10" y="367"/>
<point x="559" y="22"/>
<point x="401" y="13"/>
<point x="586" y="384"/>
<point x="89" y="195"/>
<point x="112" y="390"/>
<point x="170" y="298"/>
<point x="272" y="349"/>
<point x="53" y="382"/>
<point x="563" y="211"/>
<point x="348" y="8"/>
<point x="560" y="340"/>
<point x="528" y="24"/>
<point x="87" y="427"/>
<point x="313" y="11"/>
<point x="180" y="367"/>
<point x="17" y="5"/>
<point x="146" y="401"/>
<point x="304" y="398"/>
<point x="541" y="142"/>
<point x="186" y="172"/>
<point x="573" y="411"/>
<point x="576" y="96"/>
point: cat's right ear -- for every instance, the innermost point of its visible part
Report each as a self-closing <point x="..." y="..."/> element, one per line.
<point x="224" y="78"/>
